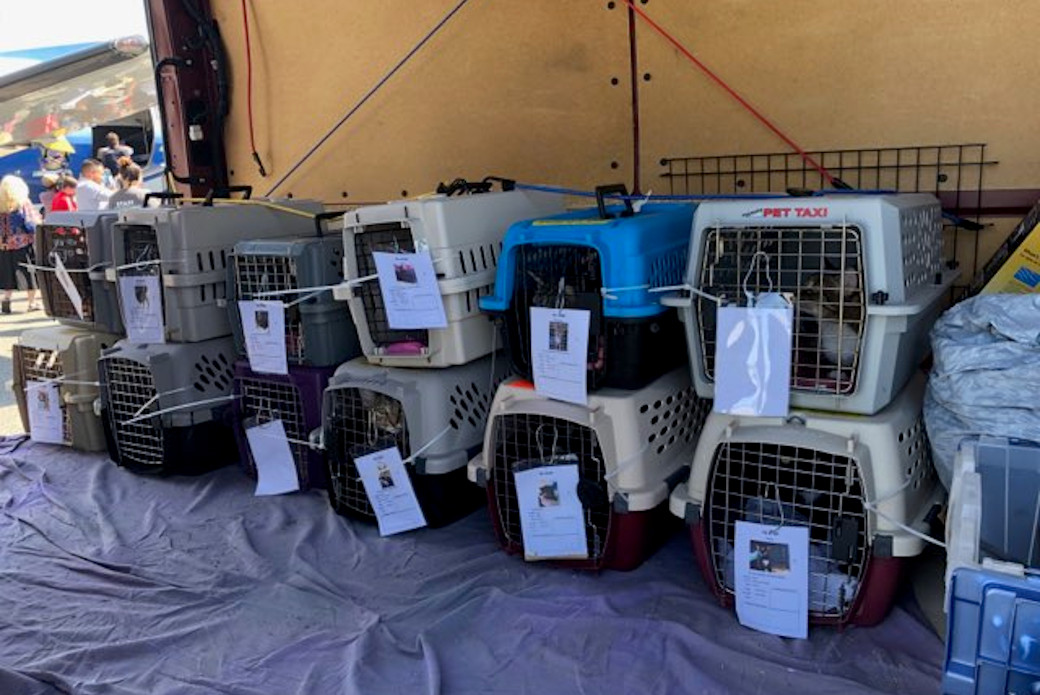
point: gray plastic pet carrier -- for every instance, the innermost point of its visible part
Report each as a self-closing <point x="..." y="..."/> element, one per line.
<point x="437" y="415"/>
<point x="464" y="237"/>
<point x="82" y="242"/>
<point x="166" y="408"/>
<point x="865" y="274"/>
<point x="69" y="356"/>
<point x="318" y="330"/>
<point x="190" y="246"/>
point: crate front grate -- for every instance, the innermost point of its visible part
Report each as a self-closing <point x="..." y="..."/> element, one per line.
<point x="36" y="364"/>
<point x="360" y="421"/>
<point x="821" y="268"/>
<point x="524" y="437"/>
<point x="257" y="274"/>
<point x="391" y="237"/>
<point x="780" y="484"/>
<point x="266" y="401"/>
<point x="69" y="244"/>
<point x="539" y="271"/>
<point x="131" y="392"/>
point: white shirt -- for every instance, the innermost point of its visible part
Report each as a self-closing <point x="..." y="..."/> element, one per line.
<point x="92" y="196"/>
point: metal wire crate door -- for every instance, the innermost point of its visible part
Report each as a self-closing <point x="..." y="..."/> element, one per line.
<point x="360" y="421"/>
<point x="821" y="267"/>
<point x="130" y="393"/>
<point x="259" y="274"/>
<point x="391" y="237"/>
<point x="69" y="244"/>
<point x="524" y="437"/>
<point x="264" y="401"/>
<point x="778" y="484"/>
<point x="37" y="364"/>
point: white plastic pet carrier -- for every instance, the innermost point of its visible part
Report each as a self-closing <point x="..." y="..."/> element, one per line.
<point x="68" y="356"/>
<point x="855" y="481"/>
<point x="464" y="237"/>
<point x="632" y="447"/>
<point x="190" y="246"/>
<point x="436" y="415"/>
<point x="167" y="407"/>
<point x="865" y="274"/>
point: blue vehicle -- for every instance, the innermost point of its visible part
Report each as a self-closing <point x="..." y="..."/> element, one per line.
<point x="55" y="114"/>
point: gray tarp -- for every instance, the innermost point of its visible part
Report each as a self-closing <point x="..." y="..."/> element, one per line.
<point x="986" y="376"/>
<point x="112" y="583"/>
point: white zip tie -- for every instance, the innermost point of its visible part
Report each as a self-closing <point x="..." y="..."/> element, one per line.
<point x="175" y="408"/>
<point x="913" y="532"/>
<point x="689" y="288"/>
<point x="428" y="444"/>
<point x="52" y="269"/>
<point x="358" y="281"/>
<point x="156" y="397"/>
<point x="606" y="292"/>
<point x="142" y="264"/>
<point x="299" y="290"/>
<point x="309" y="445"/>
<point x="41" y="384"/>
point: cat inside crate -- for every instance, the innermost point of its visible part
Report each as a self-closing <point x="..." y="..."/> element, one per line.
<point x="831" y="311"/>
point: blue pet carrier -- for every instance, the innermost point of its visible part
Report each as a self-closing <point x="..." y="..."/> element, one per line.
<point x="608" y="260"/>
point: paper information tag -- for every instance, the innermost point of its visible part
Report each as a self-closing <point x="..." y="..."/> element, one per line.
<point x="411" y="295"/>
<point x="389" y="489"/>
<point x="771" y="566"/>
<point x="263" y="328"/>
<point x="552" y="520"/>
<point x="65" y="280"/>
<point x="141" y="301"/>
<point x="753" y="360"/>
<point x="559" y="353"/>
<point x="43" y="401"/>
<point x="275" y="467"/>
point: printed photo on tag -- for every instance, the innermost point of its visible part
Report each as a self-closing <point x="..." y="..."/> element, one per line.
<point x="771" y="568"/>
<point x="411" y="295"/>
<point x="389" y="490"/>
<point x="753" y="360"/>
<point x="65" y="280"/>
<point x="552" y="520"/>
<point x="140" y="298"/>
<point x="559" y="353"/>
<point x="275" y="467"/>
<point x="263" y="331"/>
<point x="46" y="419"/>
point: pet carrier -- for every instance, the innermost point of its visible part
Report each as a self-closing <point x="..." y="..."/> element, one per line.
<point x="188" y="247"/>
<point x="166" y="408"/>
<point x="631" y="447"/>
<point x="318" y="329"/>
<point x="295" y="399"/>
<point x="993" y="597"/>
<point x="82" y="241"/>
<point x="604" y="262"/>
<point x="70" y="356"/>
<point x="865" y="274"/>
<point x="856" y="482"/>
<point x="437" y="416"/>
<point x="464" y="236"/>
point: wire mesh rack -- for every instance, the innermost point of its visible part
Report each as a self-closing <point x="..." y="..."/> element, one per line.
<point x="131" y="392"/>
<point x="953" y="172"/>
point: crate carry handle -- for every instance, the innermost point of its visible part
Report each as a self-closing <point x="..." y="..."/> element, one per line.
<point x="161" y="195"/>
<point x="321" y="217"/>
<point x="226" y="191"/>
<point x="610" y="189"/>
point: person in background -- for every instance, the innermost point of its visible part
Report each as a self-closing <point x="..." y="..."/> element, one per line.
<point x="18" y="222"/>
<point x="133" y="192"/>
<point x="65" y="198"/>
<point x="91" y="194"/>
<point x="110" y="154"/>
<point x="50" y="189"/>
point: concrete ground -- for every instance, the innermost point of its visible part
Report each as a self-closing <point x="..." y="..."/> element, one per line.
<point x="11" y="326"/>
